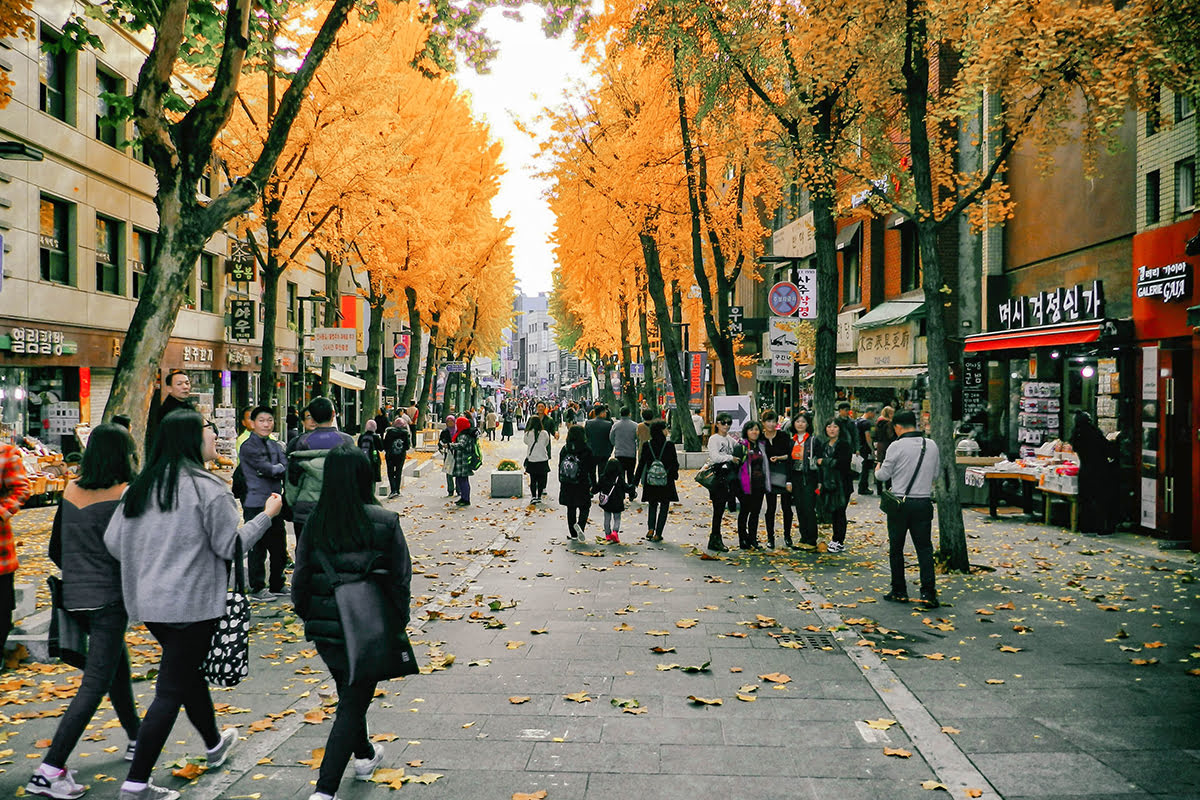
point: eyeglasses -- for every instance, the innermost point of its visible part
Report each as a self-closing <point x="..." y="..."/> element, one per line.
<point x="212" y="426"/>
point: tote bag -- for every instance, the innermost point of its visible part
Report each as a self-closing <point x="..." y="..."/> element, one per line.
<point x="68" y="639"/>
<point x="228" y="659"/>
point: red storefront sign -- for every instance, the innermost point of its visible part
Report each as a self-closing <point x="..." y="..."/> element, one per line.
<point x="1160" y="267"/>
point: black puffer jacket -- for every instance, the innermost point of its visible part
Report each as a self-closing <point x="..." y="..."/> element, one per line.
<point x="312" y="592"/>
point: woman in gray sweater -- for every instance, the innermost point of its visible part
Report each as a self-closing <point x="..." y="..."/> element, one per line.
<point x="174" y="535"/>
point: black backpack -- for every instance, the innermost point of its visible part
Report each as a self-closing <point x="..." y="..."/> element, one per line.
<point x="240" y="487"/>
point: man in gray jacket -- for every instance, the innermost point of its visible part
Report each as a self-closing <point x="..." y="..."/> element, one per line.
<point x="264" y="465"/>
<point x="911" y="464"/>
<point x="624" y="438"/>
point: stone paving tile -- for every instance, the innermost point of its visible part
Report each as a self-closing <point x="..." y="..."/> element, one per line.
<point x="1051" y="774"/>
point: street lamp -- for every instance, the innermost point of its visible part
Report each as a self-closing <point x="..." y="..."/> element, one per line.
<point x="312" y="298"/>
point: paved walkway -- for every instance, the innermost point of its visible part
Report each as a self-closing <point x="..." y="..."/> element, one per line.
<point x="1027" y="684"/>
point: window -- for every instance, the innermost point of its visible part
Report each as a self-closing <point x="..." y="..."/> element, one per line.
<point x="54" y="77"/>
<point x="108" y="129"/>
<point x="108" y="255"/>
<point x="143" y="254"/>
<point x="204" y="187"/>
<point x="139" y="152"/>
<point x="1185" y="106"/>
<point x="293" y="303"/>
<point x="208" y="269"/>
<point x="852" y="272"/>
<point x="1185" y="185"/>
<point x="1153" y="201"/>
<point x="54" y="240"/>
<point x="910" y="258"/>
<point x="1154" y="113"/>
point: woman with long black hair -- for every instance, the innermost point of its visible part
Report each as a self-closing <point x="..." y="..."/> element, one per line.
<point x="754" y="478"/>
<point x="575" y="467"/>
<point x="91" y="581"/>
<point x="803" y="477"/>
<point x="175" y="533"/>
<point x="658" y="469"/>
<point x="537" y="459"/>
<point x="837" y="481"/>
<point x="723" y="455"/>
<point x="351" y="533"/>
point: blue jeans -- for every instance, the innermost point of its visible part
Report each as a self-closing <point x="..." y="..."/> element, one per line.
<point x="106" y="672"/>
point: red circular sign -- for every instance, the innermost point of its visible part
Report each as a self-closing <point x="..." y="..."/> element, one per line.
<point x="784" y="299"/>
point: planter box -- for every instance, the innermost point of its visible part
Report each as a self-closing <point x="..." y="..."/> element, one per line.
<point x="692" y="460"/>
<point x="508" y="484"/>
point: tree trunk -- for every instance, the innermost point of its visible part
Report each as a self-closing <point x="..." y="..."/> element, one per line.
<point x="825" y="377"/>
<point x="657" y="288"/>
<point x="266" y="373"/>
<point x="414" y="347"/>
<point x="333" y="274"/>
<point x="607" y="395"/>
<point x="952" y="540"/>
<point x="371" y="403"/>
<point x="649" y="390"/>
<point x="629" y="393"/>
<point x="429" y="379"/>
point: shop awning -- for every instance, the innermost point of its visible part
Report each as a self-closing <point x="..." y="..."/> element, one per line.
<point x="342" y="379"/>
<point x="1047" y="336"/>
<point x="895" y="220"/>
<point x="847" y="234"/>
<point x="881" y="377"/>
<point x="893" y="312"/>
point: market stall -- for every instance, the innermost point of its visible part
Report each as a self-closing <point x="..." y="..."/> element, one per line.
<point x="1052" y="470"/>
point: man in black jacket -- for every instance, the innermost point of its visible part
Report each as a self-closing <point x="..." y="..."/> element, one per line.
<point x="598" y="440"/>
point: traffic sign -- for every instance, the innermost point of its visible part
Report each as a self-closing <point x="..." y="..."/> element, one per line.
<point x="455" y="366"/>
<point x="784" y="299"/>
<point x="736" y="315"/>
<point x="401" y="348"/>
<point x="637" y="370"/>
<point x="737" y="406"/>
<point x="781" y="336"/>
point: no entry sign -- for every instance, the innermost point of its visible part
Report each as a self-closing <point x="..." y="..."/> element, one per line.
<point x="784" y="299"/>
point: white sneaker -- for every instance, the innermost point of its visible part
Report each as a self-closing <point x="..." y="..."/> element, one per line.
<point x="836" y="547"/>
<point x="321" y="796"/>
<point x="220" y="754"/>
<point x="129" y="750"/>
<point x="149" y="792"/>
<point x="364" y="768"/>
<point x="62" y="787"/>
<point x="578" y="531"/>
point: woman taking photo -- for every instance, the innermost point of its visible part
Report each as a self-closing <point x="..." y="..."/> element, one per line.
<point x="753" y="477"/>
<point x="836" y="481"/>
<point x="352" y="534"/>
<point x="722" y="454"/>
<point x="575" y="467"/>
<point x="658" y="469"/>
<point x="779" y="452"/>
<point x="175" y="534"/>
<point x="537" y="459"/>
<point x="92" y="591"/>
<point x="803" y="477"/>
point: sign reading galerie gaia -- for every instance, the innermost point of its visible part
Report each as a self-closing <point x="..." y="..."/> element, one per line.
<point x="1168" y="283"/>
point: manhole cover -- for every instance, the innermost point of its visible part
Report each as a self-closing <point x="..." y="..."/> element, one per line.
<point x="808" y="641"/>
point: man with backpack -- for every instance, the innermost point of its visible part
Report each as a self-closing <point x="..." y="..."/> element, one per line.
<point x="597" y="432"/>
<point x="262" y="464"/>
<point x="306" y="461"/>
<point x="396" y="444"/>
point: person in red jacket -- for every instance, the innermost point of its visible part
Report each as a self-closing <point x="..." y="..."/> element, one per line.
<point x="14" y="491"/>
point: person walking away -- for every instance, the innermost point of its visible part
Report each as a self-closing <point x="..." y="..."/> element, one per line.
<point x="722" y="454"/>
<point x="370" y="441"/>
<point x="382" y="420"/>
<point x="445" y="439"/>
<point x="884" y="435"/>
<point x="491" y="425"/>
<point x="354" y="535"/>
<point x="306" y="458"/>
<point x="174" y="535"/>
<point x="464" y="448"/>
<point x="803" y="477"/>
<point x="779" y="452"/>
<point x="658" y="470"/>
<point x="396" y="444"/>
<point x="837" y="480"/>
<point x="643" y="428"/>
<point x="575" y="483"/>
<point x="754" y="477"/>
<point x="598" y="440"/>
<point x="92" y="593"/>
<point x="611" y="490"/>
<point x="264" y="465"/>
<point x="865" y="439"/>
<point x="291" y="424"/>
<point x="537" y="459"/>
<point x="623" y="437"/>
<point x="698" y="424"/>
<point x="911" y="465"/>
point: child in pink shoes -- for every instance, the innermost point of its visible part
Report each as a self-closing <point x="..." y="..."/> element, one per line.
<point x="611" y="490"/>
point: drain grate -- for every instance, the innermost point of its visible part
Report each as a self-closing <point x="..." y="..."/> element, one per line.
<point x="809" y="641"/>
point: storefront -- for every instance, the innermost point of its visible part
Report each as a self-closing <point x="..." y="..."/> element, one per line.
<point x="1168" y="370"/>
<point x="889" y="342"/>
<point x="1049" y="356"/>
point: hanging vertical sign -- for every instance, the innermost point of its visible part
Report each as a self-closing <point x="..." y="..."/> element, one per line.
<point x="696" y="366"/>
<point x="242" y="322"/>
<point x="240" y="265"/>
<point x="806" y="287"/>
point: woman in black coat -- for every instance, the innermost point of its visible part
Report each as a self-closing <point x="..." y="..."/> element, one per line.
<point x="837" y="480"/>
<point x="659" y="497"/>
<point x="575" y="467"/>
<point x="354" y="535"/>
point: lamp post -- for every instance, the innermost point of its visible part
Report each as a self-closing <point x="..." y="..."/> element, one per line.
<point x="312" y="298"/>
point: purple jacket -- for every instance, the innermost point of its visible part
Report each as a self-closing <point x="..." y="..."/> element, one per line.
<point x="744" y="471"/>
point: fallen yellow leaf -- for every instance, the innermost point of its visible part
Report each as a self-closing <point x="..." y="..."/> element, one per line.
<point x="897" y="752"/>
<point x="704" y="701"/>
<point x="746" y="698"/>
<point x="315" y="760"/>
<point x="516" y="701"/>
<point x="1004" y="648"/>
<point x="686" y="623"/>
<point x="775" y="677"/>
<point x="948" y="729"/>
<point x="540" y="794"/>
<point x="933" y="785"/>
<point x="189" y="771"/>
<point x="514" y="645"/>
<point x="880" y="724"/>
<point x="994" y="681"/>
<point x="658" y="633"/>
<point x="578" y="697"/>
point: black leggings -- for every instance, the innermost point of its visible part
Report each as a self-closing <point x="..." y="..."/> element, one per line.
<point x="539" y="473"/>
<point x="348" y="735"/>
<point x="656" y="516"/>
<point x="748" y="513"/>
<point x="577" y="513"/>
<point x="782" y="497"/>
<point x="395" y="472"/>
<point x="180" y="683"/>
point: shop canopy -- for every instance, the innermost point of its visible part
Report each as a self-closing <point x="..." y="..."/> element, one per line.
<point x="901" y="377"/>
<point x="893" y="312"/>
<point x="846" y="235"/>
<point x="342" y="379"/>
<point x="1047" y="336"/>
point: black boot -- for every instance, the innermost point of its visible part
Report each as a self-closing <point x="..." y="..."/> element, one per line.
<point x="716" y="545"/>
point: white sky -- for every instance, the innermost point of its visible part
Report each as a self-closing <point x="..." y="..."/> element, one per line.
<point x="529" y="73"/>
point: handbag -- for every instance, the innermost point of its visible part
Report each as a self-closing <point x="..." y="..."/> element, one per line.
<point x="778" y="479"/>
<point x="707" y="476"/>
<point x="68" y="639"/>
<point x="375" y="650"/>
<point x="228" y="659"/>
<point x="856" y="463"/>
<point x="889" y="503"/>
